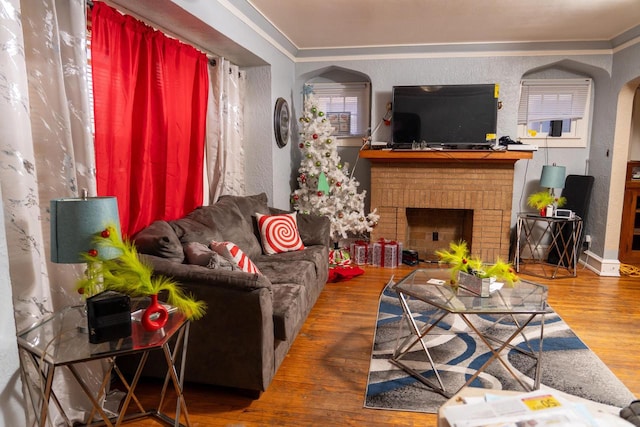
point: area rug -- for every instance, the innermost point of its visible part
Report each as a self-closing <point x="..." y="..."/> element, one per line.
<point x="568" y="365"/>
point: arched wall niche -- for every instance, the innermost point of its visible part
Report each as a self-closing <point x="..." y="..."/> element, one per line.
<point x="348" y="154"/>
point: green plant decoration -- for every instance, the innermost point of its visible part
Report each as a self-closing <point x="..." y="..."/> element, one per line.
<point x="460" y="260"/>
<point x="129" y="275"/>
<point x="542" y="199"/>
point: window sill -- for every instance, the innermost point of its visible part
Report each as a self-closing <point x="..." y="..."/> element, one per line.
<point x="555" y="142"/>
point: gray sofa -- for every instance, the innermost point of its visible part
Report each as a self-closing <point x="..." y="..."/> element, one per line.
<point x="251" y="319"/>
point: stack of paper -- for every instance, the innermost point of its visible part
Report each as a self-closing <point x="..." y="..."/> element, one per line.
<point x="537" y="408"/>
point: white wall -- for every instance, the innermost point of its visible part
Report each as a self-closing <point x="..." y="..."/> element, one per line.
<point x="12" y="403"/>
<point x="505" y="70"/>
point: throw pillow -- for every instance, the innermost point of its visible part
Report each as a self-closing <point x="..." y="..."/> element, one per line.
<point x="159" y="239"/>
<point x="279" y="233"/>
<point x="197" y="253"/>
<point x="232" y="253"/>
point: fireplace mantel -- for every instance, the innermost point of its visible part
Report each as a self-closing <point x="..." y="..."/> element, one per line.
<point x="479" y="181"/>
<point x="446" y="156"/>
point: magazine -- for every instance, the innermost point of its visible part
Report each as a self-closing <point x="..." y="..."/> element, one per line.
<point x="537" y="408"/>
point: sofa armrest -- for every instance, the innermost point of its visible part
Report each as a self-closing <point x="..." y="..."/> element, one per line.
<point x="314" y="229"/>
<point x="232" y="345"/>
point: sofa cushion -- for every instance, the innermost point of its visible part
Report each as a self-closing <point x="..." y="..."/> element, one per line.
<point x="289" y="308"/>
<point x="232" y="253"/>
<point x="227" y="220"/>
<point x="159" y="239"/>
<point x="279" y="233"/>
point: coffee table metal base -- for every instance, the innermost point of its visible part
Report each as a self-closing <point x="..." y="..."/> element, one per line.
<point x="418" y="336"/>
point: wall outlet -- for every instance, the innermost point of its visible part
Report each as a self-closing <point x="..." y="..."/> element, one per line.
<point x="435" y="236"/>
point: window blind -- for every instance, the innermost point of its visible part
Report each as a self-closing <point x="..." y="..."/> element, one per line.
<point x="542" y="100"/>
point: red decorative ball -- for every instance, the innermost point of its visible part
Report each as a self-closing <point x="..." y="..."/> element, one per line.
<point x="296" y="197"/>
<point x="320" y="193"/>
<point x="464" y="260"/>
<point x="338" y="184"/>
<point x="315" y="136"/>
<point x="301" y="145"/>
<point x="81" y="291"/>
<point x="92" y="252"/>
<point x="106" y="233"/>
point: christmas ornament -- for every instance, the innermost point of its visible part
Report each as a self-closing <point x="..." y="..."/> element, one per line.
<point x="314" y="136"/>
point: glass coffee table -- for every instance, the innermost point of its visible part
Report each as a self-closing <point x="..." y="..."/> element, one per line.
<point x="427" y="298"/>
<point x="61" y="340"/>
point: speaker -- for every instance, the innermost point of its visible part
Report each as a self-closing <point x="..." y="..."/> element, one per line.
<point x="108" y="316"/>
<point x="556" y="128"/>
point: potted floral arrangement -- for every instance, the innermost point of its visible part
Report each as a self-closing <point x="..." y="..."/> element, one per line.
<point x="542" y="199"/>
<point x="129" y="275"/>
<point x="464" y="265"/>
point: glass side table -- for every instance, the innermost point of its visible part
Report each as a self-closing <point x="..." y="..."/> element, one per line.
<point x="59" y="341"/>
<point x="427" y="298"/>
<point x="537" y="237"/>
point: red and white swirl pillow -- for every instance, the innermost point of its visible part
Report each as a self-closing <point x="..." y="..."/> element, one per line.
<point x="279" y="233"/>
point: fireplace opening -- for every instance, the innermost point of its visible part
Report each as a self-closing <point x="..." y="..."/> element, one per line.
<point x="429" y="230"/>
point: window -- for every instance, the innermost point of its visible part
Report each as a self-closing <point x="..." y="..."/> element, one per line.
<point x="346" y="106"/>
<point x="554" y="113"/>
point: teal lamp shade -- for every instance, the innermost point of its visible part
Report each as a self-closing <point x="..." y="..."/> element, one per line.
<point x="75" y="222"/>
<point x="552" y="176"/>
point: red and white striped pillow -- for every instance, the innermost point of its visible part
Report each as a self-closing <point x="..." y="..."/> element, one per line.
<point x="279" y="233"/>
<point x="232" y="253"/>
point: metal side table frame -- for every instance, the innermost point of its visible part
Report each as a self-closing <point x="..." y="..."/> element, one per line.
<point x="532" y="233"/>
<point x="430" y="286"/>
<point x="58" y="341"/>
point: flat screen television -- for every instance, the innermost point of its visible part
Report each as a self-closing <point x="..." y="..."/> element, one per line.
<point x="449" y="116"/>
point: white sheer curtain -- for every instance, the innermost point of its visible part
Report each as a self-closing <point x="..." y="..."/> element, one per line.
<point x="225" y="124"/>
<point x="46" y="151"/>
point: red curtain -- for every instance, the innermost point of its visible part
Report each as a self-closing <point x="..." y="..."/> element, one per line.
<point x="150" y="100"/>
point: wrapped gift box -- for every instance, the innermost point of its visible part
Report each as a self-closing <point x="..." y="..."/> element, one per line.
<point x="360" y="252"/>
<point x="386" y="253"/>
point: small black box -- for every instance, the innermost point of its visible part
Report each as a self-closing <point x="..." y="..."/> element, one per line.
<point x="108" y="316"/>
<point x="410" y="257"/>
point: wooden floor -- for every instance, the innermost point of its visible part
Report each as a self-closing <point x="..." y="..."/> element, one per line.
<point x="322" y="381"/>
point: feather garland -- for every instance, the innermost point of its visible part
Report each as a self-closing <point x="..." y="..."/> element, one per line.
<point x="130" y="275"/>
<point x="460" y="260"/>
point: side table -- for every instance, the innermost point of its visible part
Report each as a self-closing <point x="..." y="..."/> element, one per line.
<point x="59" y="341"/>
<point x="539" y="236"/>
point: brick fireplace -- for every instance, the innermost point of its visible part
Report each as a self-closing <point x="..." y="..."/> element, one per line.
<point x="476" y="187"/>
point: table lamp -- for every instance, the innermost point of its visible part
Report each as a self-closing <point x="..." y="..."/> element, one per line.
<point x="75" y="222"/>
<point x="552" y="177"/>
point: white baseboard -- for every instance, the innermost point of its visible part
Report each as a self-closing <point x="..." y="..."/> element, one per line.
<point x="600" y="266"/>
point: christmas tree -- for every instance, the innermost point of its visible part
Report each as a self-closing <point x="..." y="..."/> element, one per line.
<point x="325" y="187"/>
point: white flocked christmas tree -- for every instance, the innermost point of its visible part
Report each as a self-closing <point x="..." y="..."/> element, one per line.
<point x="325" y="187"/>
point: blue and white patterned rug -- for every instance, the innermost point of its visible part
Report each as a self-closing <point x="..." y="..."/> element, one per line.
<point x="568" y="365"/>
